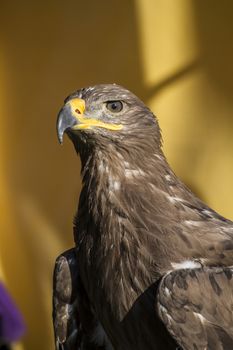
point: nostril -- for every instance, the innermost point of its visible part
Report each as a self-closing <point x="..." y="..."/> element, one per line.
<point x="77" y="111"/>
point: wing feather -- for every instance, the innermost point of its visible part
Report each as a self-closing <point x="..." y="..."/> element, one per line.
<point x="196" y="307"/>
<point x="75" y="325"/>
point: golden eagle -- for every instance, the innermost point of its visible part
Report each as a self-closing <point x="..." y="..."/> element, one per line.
<point x="152" y="264"/>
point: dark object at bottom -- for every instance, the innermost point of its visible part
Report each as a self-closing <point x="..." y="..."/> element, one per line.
<point x="5" y="347"/>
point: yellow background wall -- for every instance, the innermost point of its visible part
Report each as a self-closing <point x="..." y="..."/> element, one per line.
<point x="176" y="55"/>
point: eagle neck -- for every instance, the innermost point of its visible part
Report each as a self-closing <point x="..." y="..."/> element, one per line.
<point x="111" y="252"/>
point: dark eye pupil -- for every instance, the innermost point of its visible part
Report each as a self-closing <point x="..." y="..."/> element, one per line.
<point x="114" y="106"/>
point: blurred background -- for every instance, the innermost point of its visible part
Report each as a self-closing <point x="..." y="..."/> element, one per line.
<point x="176" y="55"/>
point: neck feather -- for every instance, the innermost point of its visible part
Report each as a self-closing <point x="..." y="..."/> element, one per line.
<point x="113" y="202"/>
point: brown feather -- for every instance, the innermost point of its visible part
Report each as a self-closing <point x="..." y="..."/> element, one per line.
<point x="136" y="221"/>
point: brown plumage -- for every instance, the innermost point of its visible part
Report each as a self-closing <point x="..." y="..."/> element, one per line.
<point x="153" y="261"/>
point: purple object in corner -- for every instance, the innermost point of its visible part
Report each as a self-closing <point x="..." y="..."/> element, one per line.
<point x="12" y="326"/>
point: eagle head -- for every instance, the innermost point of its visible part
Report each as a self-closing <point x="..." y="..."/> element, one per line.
<point x="106" y="113"/>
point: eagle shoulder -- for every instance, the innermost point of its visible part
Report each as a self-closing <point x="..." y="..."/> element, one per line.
<point x="196" y="307"/>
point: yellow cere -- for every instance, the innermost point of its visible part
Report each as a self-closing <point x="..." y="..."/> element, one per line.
<point x="77" y="109"/>
<point x="77" y="104"/>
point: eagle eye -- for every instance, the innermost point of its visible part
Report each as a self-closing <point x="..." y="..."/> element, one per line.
<point x="114" y="106"/>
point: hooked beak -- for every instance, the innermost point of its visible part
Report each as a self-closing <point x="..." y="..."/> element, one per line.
<point x="68" y="116"/>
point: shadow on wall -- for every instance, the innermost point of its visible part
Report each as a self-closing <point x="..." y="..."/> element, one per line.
<point x="214" y="30"/>
<point x="211" y="115"/>
<point x="51" y="49"/>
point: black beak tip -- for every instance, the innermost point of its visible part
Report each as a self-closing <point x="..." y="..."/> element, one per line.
<point x="60" y="128"/>
<point x="60" y="133"/>
<point x="60" y="139"/>
<point x="65" y="121"/>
